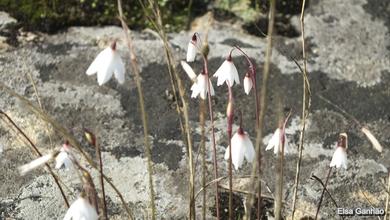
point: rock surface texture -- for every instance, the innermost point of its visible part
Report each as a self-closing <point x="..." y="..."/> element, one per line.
<point x="348" y="49"/>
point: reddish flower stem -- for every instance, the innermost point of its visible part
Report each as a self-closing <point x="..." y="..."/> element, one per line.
<point x="323" y="192"/>
<point x="230" y="116"/>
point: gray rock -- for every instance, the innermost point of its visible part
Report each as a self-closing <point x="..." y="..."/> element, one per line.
<point x="6" y="20"/>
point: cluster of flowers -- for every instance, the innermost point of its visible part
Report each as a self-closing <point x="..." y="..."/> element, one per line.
<point x="108" y="63"/>
<point x="242" y="146"/>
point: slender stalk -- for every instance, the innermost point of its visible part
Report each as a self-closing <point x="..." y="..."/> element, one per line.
<point x="323" y="185"/>
<point x="323" y="192"/>
<point x="203" y="149"/>
<point x="186" y="129"/>
<point x="279" y="186"/>
<point x="136" y="72"/>
<point x="99" y="158"/>
<point x="252" y="71"/>
<point x="189" y="14"/>
<point x="263" y="104"/>
<point x="306" y="100"/>
<point x="230" y="116"/>
<point x="211" y="112"/>
<point x="36" y="150"/>
<point x="387" y="197"/>
<point x="279" y="189"/>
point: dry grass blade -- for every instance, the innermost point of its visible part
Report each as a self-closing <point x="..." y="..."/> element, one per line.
<point x="387" y="197"/>
<point x="306" y="102"/>
<point x="375" y="143"/>
<point x="263" y="106"/>
<point x="156" y="21"/>
<point x="136" y="72"/>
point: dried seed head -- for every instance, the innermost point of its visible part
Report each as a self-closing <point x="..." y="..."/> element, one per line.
<point x="90" y="137"/>
<point x="375" y="143"/>
<point x="343" y="140"/>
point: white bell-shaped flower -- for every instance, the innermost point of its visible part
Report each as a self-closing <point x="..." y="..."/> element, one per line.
<point x="227" y="72"/>
<point x="200" y="87"/>
<point x="242" y="147"/>
<point x="248" y="84"/>
<point x="276" y="142"/>
<point x="81" y="209"/>
<point x="63" y="158"/>
<point x="192" y="48"/>
<point x="106" y="63"/>
<point x="339" y="158"/>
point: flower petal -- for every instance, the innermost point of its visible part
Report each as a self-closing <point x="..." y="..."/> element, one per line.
<point x="98" y="62"/>
<point x="191" y="51"/>
<point x="274" y="141"/>
<point x="119" y="68"/>
<point x="187" y="68"/>
<point x="63" y="159"/>
<point x="247" y="84"/>
<point x="81" y="209"/>
<point x="237" y="150"/>
<point x="35" y="164"/>
<point x="212" y="93"/>
<point x="227" y="72"/>
<point x="249" y="151"/>
<point x="339" y="158"/>
<point x="104" y="75"/>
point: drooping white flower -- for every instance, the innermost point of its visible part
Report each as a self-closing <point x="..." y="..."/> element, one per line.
<point x="192" y="48"/>
<point x="106" y="63"/>
<point x="35" y="164"/>
<point x="227" y="72"/>
<point x="200" y="86"/>
<point x="276" y="142"/>
<point x="242" y="147"/>
<point x="63" y="158"/>
<point x="81" y="209"/>
<point x="339" y="158"/>
<point x="248" y="84"/>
